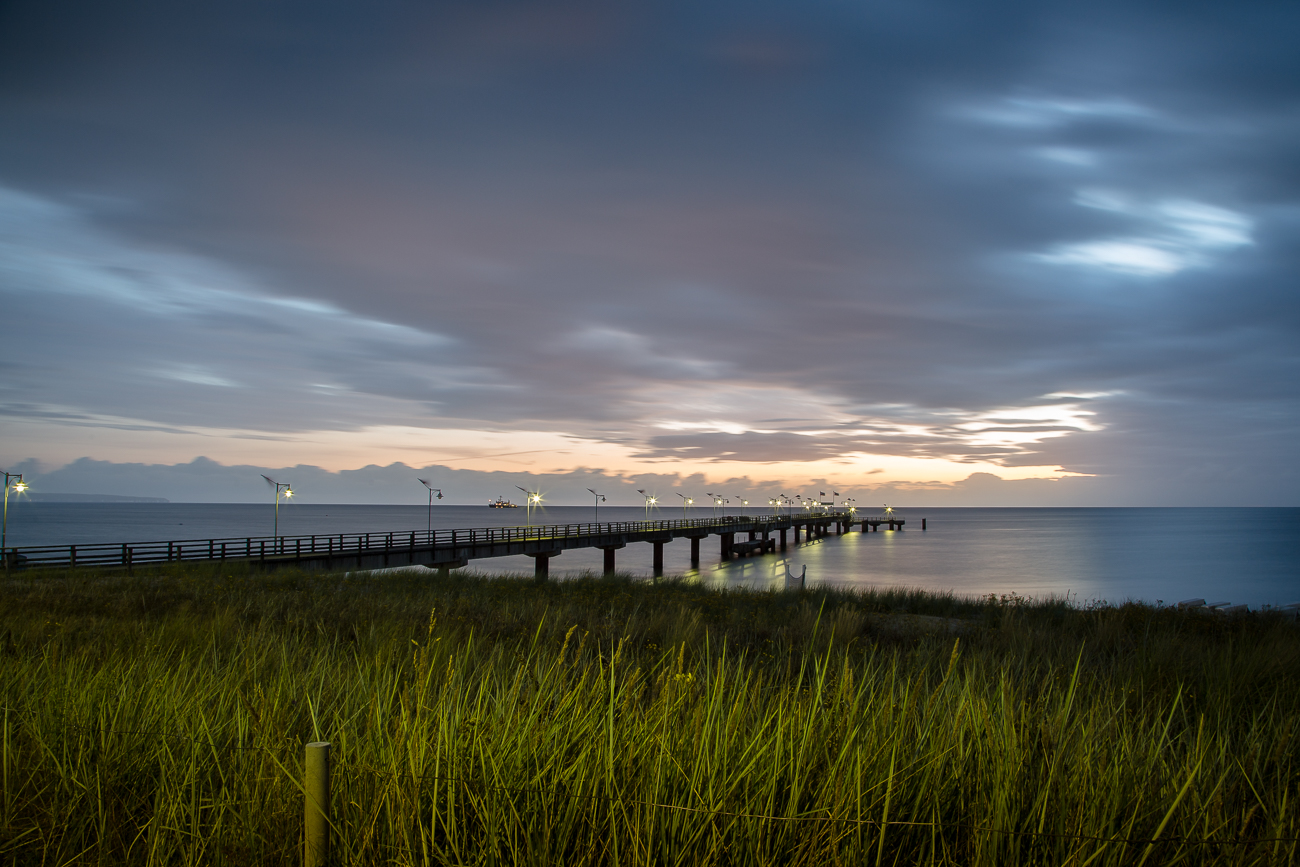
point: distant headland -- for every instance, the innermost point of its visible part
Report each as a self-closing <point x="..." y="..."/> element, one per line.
<point x="45" y="497"/>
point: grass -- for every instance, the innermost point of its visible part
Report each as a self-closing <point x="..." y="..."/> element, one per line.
<point x="161" y="719"/>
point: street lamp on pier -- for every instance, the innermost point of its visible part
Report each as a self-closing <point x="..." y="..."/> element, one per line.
<point x="14" y="481"/>
<point x="531" y="499"/>
<point x="743" y="503"/>
<point x="432" y="491"/>
<point x="600" y="498"/>
<point x="650" y="500"/>
<point x="280" y="488"/>
<point x="686" y="501"/>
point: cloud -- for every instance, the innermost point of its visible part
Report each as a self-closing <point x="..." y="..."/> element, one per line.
<point x="806" y="239"/>
<point x="1181" y="234"/>
<point x="203" y="480"/>
<point x="1050" y="111"/>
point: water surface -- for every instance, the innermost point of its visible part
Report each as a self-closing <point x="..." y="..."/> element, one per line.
<point x="1249" y="555"/>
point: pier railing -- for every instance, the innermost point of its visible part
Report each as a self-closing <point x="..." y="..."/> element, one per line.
<point x="129" y="554"/>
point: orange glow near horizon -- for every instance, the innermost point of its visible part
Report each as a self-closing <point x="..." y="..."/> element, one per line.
<point x="533" y="452"/>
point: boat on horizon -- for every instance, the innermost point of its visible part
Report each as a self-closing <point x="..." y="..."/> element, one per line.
<point x="501" y="503"/>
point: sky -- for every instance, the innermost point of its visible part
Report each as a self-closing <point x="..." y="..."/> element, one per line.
<point x="1004" y="253"/>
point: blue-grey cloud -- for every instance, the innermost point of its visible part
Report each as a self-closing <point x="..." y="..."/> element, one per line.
<point x="906" y="226"/>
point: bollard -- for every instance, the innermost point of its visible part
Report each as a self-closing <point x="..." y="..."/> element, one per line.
<point x="316" y="795"/>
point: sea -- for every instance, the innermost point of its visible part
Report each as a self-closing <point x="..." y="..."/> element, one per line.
<point x="1237" y="555"/>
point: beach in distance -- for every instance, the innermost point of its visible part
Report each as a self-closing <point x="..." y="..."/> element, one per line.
<point x="1239" y="555"/>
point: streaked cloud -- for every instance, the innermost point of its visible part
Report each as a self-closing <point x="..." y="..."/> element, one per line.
<point x="1049" y="111"/>
<point x="1179" y="234"/>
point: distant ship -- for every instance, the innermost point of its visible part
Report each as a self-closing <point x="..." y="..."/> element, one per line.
<point x="499" y="503"/>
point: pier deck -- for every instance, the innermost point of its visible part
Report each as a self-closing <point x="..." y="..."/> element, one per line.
<point x="448" y="549"/>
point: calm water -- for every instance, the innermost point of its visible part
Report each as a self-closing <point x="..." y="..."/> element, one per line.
<point x="1236" y="555"/>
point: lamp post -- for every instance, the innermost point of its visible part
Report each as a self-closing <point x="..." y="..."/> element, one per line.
<point x="650" y="500"/>
<point x="280" y="487"/>
<point x="432" y="491"/>
<point x="686" y="501"/>
<point x="600" y="498"/>
<point x="718" y="500"/>
<point x="743" y="503"/>
<point x="14" y="480"/>
<point x="534" y="498"/>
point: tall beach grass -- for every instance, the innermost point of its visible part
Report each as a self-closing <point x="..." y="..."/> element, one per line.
<point x="160" y="719"/>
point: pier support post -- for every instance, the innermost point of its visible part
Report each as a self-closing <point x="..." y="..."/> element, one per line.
<point x="695" y="552"/>
<point x="783" y="540"/>
<point x="542" y="565"/>
<point x="727" y="539"/>
<point x="658" y="558"/>
<point x="609" y="560"/>
<point x="444" y="568"/>
<point x="923" y="523"/>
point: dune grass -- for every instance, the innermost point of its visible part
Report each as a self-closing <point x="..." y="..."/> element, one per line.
<point x="160" y="719"/>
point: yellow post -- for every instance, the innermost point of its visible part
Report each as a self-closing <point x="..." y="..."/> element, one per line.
<point x="316" y="791"/>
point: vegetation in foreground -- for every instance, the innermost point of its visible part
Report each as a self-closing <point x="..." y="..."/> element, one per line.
<point x="161" y="719"/>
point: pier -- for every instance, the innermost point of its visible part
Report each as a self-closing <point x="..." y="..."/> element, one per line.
<point x="451" y="549"/>
<point x="893" y="522"/>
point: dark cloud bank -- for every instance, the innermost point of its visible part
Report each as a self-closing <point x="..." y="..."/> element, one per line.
<point x="599" y="217"/>
<point x="205" y="481"/>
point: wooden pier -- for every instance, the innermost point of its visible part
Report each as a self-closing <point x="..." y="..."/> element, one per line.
<point x="893" y="522"/>
<point x="449" y="549"/>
